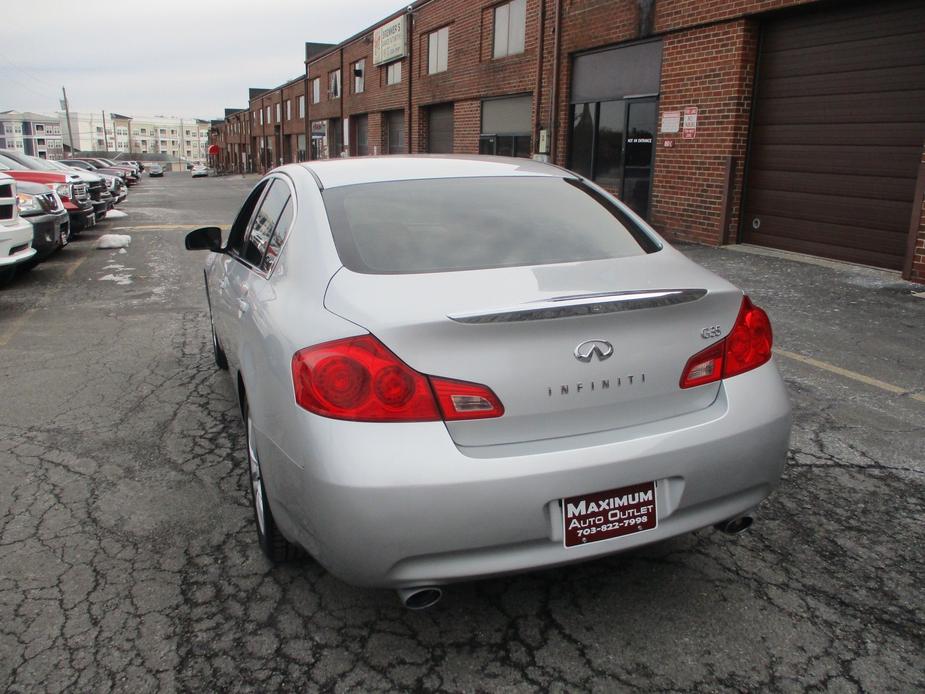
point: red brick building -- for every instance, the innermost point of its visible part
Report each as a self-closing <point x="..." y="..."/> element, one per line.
<point x="793" y="124"/>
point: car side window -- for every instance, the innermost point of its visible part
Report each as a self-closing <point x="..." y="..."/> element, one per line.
<point x="255" y="244"/>
<point x="278" y="237"/>
<point x="243" y="220"/>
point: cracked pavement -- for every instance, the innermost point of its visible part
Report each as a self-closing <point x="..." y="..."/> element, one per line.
<point x="129" y="562"/>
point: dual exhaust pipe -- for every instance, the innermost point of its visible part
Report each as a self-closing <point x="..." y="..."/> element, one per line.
<point x="422" y="597"/>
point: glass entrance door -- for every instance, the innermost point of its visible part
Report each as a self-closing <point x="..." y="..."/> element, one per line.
<point x="613" y="144"/>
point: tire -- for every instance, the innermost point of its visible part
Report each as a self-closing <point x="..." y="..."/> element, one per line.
<point x="6" y="275"/>
<point x="276" y="547"/>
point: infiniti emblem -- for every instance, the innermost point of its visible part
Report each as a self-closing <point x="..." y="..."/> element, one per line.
<point x="588" y="348"/>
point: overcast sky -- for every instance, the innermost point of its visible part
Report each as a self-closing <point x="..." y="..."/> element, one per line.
<point x="165" y="57"/>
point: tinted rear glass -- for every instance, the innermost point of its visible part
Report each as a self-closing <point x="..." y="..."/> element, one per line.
<point x="440" y="225"/>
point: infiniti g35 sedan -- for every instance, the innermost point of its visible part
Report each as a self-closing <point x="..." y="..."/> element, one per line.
<point x="459" y="367"/>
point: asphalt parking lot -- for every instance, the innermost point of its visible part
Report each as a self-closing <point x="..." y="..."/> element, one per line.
<point x="128" y="559"/>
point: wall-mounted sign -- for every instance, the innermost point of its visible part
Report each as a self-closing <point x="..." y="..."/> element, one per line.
<point x="669" y="143"/>
<point x="690" y="122"/>
<point x="389" y="41"/>
<point x="319" y="128"/>
<point x="671" y="121"/>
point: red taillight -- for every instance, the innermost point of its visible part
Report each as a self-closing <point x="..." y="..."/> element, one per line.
<point x="361" y="380"/>
<point x="746" y="347"/>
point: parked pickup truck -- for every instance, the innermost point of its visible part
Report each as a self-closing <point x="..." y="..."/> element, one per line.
<point x="15" y="232"/>
<point x="42" y="208"/>
<point x="96" y="186"/>
<point x="74" y="194"/>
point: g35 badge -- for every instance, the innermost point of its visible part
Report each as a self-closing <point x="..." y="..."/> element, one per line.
<point x="712" y="331"/>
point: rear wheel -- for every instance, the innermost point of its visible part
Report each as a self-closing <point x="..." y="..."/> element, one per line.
<point x="276" y="547"/>
<point x="6" y="275"/>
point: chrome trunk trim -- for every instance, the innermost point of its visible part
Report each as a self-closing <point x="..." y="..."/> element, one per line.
<point x="583" y="305"/>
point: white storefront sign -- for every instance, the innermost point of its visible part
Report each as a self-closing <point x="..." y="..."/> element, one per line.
<point x="389" y="41"/>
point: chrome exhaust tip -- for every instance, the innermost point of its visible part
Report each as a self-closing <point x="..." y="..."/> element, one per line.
<point x="734" y="526"/>
<point x="419" y="598"/>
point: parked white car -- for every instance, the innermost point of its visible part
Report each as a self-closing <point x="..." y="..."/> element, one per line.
<point x="199" y="170"/>
<point x="15" y="232"/>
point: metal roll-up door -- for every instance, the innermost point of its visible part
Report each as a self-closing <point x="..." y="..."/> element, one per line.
<point x="440" y="129"/>
<point x="838" y="130"/>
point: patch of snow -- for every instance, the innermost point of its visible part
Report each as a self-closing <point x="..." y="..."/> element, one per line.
<point x="122" y="250"/>
<point x="115" y="214"/>
<point x="118" y="279"/>
<point x="113" y="241"/>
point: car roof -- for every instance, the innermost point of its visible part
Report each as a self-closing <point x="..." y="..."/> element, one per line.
<point x="333" y="173"/>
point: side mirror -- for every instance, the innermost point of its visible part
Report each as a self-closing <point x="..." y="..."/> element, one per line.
<point x="205" y="239"/>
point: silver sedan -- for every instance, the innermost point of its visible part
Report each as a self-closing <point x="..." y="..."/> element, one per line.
<point x="459" y="367"/>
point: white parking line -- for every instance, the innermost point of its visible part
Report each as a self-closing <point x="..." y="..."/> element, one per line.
<point x="853" y="375"/>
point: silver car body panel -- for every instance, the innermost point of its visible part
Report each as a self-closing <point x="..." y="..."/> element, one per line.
<point x="398" y="505"/>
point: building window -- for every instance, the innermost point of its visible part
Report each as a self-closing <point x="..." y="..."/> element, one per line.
<point x="40" y="128"/>
<point x="359" y="76"/>
<point x="316" y="90"/>
<point x="510" y="26"/>
<point x="393" y="72"/>
<point x="288" y="109"/>
<point x="278" y="114"/>
<point x="261" y="116"/>
<point x="438" y="50"/>
<point x="334" y="84"/>
<point x="302" y="106"/>
<point x="506" y="126"/>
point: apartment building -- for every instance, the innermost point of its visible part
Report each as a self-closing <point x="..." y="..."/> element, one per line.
<point x="793" y="124"/>
<point x="179" y="138"/>
<point x="176" y="137"/>
<point x="30" y="133"/>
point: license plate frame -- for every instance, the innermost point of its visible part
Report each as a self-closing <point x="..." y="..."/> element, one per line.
<point x="609" y="515"/>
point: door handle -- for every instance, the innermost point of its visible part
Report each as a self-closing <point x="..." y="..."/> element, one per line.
<point x="243" y="306"/>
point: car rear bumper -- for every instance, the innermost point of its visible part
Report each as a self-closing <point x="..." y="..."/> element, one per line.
<point x="399" y="505"/>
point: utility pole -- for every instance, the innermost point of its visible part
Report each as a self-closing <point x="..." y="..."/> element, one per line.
<point x="67" y="113"/>
<point x="105" y="136"/>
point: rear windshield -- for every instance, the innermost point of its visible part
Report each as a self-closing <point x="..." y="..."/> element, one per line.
<point x="439" y="225"/>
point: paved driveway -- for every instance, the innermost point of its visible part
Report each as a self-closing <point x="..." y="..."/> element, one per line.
<point x="128" y="560"/>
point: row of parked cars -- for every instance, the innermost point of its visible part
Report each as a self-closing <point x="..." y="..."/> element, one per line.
<point x="45" y="203"/>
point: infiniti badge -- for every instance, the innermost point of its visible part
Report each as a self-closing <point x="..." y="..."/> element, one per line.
<point x="588" y="348"/>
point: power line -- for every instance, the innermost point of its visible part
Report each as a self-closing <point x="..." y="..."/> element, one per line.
<point x="27" y="73"/>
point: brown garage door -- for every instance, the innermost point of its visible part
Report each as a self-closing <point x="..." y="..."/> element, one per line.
<point x="838" y="130"/>
<point x="440" y="129"/>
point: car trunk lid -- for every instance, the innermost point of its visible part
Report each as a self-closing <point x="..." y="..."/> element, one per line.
<point x="518" y="331"/>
